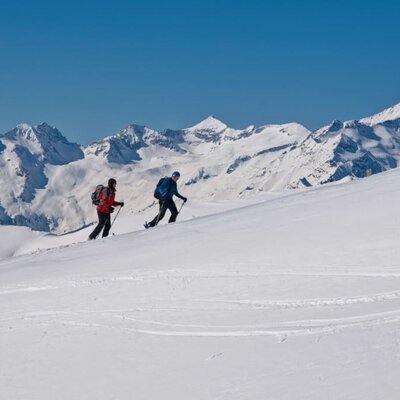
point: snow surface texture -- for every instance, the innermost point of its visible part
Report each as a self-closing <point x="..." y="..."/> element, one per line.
<point x="293" y="297"/>
<point x="46" y="181"/>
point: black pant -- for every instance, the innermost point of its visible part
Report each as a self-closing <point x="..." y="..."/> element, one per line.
<point x="104" y="222"/>
<point x="164" y="206"/>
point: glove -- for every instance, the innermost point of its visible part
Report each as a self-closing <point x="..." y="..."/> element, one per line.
<point x="184" y="199"/>
<point x="121" y="203"/>
<point x="111" y="210"/>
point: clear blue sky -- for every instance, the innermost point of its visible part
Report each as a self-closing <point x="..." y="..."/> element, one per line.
<point x="92" y="67"/>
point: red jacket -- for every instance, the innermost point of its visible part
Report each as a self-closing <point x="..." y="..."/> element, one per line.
<point x="107" y="200"/>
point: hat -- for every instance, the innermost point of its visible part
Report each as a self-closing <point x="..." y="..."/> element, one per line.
<point x="176" y="174"/>
<point x="111" y="182"/>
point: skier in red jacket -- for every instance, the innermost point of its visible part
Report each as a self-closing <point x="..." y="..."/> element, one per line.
<point x="105" y="208"/>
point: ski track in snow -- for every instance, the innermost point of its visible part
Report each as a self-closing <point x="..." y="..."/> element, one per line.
<point x="123" y="319"/>
<point x="298" y="303"/>
<point x="282" y="329"/>
<point x="200" y="274"/>
<point x="302" y="303"/>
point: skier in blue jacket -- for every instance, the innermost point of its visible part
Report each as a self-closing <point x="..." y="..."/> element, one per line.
<point x="168" y="188"/>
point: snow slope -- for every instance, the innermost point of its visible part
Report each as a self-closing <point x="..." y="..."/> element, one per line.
<point x="25" y="241"/>
<point x="390" y="114"/>
<point x="295" y="297"/>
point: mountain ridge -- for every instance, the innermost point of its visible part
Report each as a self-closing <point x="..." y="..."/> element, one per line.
<point x="49" y="179"/>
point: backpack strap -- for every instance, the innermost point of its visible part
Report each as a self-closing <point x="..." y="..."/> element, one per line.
<point x="106" y="193"/>
<point x="168" y="188"/>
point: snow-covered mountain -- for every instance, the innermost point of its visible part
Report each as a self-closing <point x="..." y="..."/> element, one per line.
<point x="124" y="147"/>
<point x="25" y="152"/>
<point x="390" y="114"/>
<point x="342" y="149"/>
<point x="49" y="180"/>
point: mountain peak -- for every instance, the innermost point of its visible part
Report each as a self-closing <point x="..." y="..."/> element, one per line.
<point x="335" y="126"/>
<point x="45" y="126"/>
<point x="211" y="123"/>
<point x="389" y="114"/>
<point x="24" y="126"/>
<point x="132" y="130"/>
<point x="35" y="133"/>
<point x="42" y="126"/>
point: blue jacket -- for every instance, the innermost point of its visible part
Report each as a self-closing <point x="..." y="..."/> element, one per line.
<point x="172" y="189"/>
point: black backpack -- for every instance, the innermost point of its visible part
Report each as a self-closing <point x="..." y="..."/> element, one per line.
<point x="162" y="188"/>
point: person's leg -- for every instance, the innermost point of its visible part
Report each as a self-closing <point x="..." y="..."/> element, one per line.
<point x="107" y="225"/>
<point x="160" y="215"/>
<point x="174" y="211"/>
<point x="99" y="226"/>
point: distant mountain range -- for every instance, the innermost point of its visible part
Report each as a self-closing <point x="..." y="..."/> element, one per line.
<point x="46" y="180"/>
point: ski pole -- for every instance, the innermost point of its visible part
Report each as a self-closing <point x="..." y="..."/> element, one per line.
<point x="115" y="218"/>
<point x="183" y="203"/>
